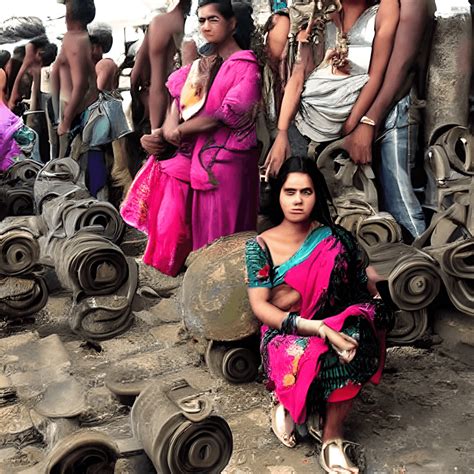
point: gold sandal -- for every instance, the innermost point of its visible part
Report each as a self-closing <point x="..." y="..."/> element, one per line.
<point x="337" y="469"/>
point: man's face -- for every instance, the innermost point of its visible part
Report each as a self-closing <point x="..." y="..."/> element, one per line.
<point x="97" y="52"/>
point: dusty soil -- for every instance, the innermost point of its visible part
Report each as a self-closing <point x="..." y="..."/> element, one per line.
<point x="418" y="420"/>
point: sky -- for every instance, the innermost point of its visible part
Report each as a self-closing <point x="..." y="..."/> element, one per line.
<point x="120" y="11"/>
<point x="125" y="11"/>
<point x="123" y="15"/>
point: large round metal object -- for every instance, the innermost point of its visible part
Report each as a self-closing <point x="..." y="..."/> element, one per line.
<point x="214" y="293"/>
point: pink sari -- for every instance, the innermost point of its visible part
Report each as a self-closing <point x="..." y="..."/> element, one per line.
<point x="331" y="288"/>
<point x="210" y="188"/>
<point x="9" y="125"/>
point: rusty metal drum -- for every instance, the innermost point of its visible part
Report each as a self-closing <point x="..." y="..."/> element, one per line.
<point x="214" y="294"/>
<point x="178" y="431"/>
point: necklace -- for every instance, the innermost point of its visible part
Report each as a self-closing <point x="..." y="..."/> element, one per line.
<point x="340" y="59"/>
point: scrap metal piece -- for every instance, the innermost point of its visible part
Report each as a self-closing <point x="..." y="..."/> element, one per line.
<point x="64" y="218"/>
<point x="59" y="177"/>
<point x="16" y="201"/>
<point x="409" y="327"/>
<point x="456" y="261"/>
<point x="351" y="186"/>
<point x="381" y="228"/>
<point x="86" y="264"/>
<point x="22" y="172"/>
<point x="79" y="453"/>
<point x="234" y="363"/>
<point x="217" y="307"/>
<point x="414" y="283"/>
<point x="22" y="297"/>
<point x="413" y="275"/>
<point x="175" y="424"/>
<point x="62" y="399"/>
<point x="19" y="251"/>
<point x="8" y="393"/>
<point x="104" y="317"/>
<point x="449" y="73"/>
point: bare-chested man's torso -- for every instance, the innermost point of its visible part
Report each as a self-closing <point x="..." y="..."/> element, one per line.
<point x="76" y="45"/>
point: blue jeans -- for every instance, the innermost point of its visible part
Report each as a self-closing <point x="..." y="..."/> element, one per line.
<point x="397" y="145"/>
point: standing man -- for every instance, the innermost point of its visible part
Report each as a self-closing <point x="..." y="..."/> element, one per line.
<point x="106" y="126"/>
<point x="38" y="53"/>
<point x="154" y="62"/>
<point x="101" y="38"/>
<point x="392" y="116"/>
<point x="73" y="78"/>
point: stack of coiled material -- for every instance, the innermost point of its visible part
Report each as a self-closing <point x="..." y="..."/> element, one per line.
<point x="175" y="424"/>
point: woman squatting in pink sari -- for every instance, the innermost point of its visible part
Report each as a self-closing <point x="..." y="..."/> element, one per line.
<point x="323" y="334"/>
<point x="208" y="188"/>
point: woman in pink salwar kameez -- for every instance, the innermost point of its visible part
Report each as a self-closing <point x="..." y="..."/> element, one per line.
<point x="322" y="333"/>
<point x="209" y="188"/>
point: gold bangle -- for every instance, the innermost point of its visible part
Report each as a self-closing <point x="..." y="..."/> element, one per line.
<point x="367" y="121"/>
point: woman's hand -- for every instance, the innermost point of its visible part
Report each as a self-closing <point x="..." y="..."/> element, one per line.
<point x="153" y="143"/>
<point x="278" y="153"/>
<point x="173" y="136"/>
<point x="344" y="345"/>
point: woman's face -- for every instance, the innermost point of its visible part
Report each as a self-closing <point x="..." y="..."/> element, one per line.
<point x="297" y="197"/>
<point x="214" y="27"/>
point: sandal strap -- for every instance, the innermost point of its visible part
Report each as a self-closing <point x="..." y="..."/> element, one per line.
<point x="342" y="444"/>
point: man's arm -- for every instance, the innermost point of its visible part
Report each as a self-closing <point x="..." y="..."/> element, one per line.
<point x="159" y="35"/>
<point x="55" y="84"/>
<point x="280" y="149"/>
<point x="386" y="26"/>
<point x="27" y="63"/>
<point x="414" y="16"/>
<point x="78" y="55"/>
<point x="140" y="74"/>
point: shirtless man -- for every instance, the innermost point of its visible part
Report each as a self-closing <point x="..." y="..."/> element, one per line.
<point x="405" y="71"/>
<point x="154" y="61"/>
<point x="105" y="68"/>
<point x="38" y="53"/>
<point x="73" y="78"/>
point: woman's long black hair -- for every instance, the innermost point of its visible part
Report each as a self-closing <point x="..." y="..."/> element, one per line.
<point x="242" y="13"/>
<point x="298" y="164"/>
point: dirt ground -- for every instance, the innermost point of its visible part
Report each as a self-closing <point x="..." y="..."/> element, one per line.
<point x="418" y="420"/>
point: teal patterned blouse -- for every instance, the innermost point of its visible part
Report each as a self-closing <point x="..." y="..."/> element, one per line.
<point x="261" y="272"/>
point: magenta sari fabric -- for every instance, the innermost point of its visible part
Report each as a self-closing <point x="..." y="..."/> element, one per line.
<point x="320" y="272"/>
<point x="159" y="205"/>
<point x="210" y="188"/>
<point x="9" y="125"/>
